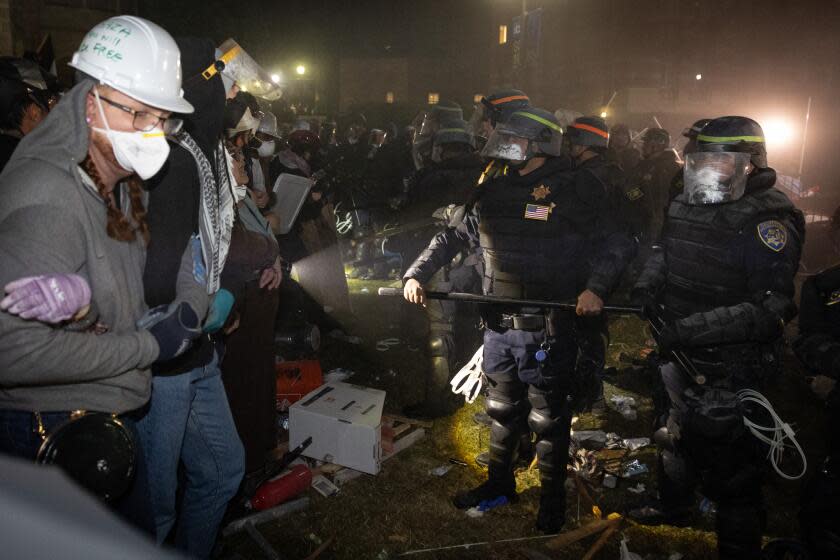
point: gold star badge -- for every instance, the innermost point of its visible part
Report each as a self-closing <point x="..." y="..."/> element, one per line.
<point x="539" y="193"/>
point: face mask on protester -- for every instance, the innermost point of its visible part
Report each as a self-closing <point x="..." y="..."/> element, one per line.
<point x="144" y="153"/>
<point x="266" y="149"/>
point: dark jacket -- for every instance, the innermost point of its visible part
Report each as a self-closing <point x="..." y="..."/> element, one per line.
<point x="539" y="235"/>
<point x="174" y="193"/>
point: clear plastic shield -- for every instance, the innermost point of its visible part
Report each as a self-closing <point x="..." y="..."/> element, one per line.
<point x="715" y="177"/>
<point x="508" y="147"/>
<point x="247" y="74"/>
<point x="291" y="192"/>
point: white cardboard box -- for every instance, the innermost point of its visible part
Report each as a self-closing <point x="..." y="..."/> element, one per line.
<point x="344" y="421"/>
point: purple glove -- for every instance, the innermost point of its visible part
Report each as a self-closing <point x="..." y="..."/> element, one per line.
<point x="49" y="299"/>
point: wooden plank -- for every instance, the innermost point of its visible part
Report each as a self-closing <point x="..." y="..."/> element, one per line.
<point x="406" y="442"/>
<point x="565" y="539"/>
<point x="398" y="430"/>
<point x="406" y="420"/>
<point x="602" y="540"/>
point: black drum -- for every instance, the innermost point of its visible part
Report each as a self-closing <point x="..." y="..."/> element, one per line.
<point x="96" y="450"/>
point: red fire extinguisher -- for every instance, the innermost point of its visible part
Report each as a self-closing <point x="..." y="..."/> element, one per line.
<point x="282" y="489"/>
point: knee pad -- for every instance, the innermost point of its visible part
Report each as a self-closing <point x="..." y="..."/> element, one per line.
<point x="440" y="344"/>
<point x="503" y="411"/>
<point x="547" y="426"/>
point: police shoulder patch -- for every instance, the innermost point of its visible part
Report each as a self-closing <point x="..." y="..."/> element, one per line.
<point x="634" y="194"/>
<point x="773" y="234"/>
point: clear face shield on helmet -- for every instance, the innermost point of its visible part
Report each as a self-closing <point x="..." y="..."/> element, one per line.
<point x="508" y="147"/>
<point x="715" y="177"/>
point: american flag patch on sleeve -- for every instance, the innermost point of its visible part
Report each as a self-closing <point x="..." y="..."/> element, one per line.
<point x="537" y="212"/>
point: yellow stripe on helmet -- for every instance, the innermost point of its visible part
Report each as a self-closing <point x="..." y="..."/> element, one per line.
<point x="546" y="122"/>
<point x="728" y="139"/>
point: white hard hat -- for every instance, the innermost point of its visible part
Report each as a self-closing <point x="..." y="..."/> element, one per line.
<point x="136" y="57"/>
<point x="246" y="122"/>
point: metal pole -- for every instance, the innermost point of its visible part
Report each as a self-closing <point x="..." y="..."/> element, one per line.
<point x="804" y="137"/>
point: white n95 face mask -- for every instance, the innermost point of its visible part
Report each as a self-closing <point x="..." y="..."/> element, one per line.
<point x="266" y="149"/>
<point x="144" y="153"/>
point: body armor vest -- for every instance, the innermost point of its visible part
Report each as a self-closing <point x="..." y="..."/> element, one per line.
<point x="535" y="236"/>
<point x="704" y="249"/>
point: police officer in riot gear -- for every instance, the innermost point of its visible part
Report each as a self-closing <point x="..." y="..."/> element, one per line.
<point x="587" y="138"/>
<point x="427" y="124"/>
<point x="541" y="238"/>
<point x="723" y="284"/>
<point x="620" y="149"/>
<point x="818" y="347"/>
<point x="451" y="178"/>
<point x="493" y="109"/>
<point x="648" y="184"/>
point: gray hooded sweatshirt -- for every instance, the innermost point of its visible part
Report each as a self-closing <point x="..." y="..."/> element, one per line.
<point x="51" y="222"/>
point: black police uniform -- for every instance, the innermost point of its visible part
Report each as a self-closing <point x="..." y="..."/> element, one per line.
<point x="445" y="182"/>
<point x="598" y="174"/>
<point x="647" y="192"/>
<point x="725" y="279"/>
<point x="818" y="347"/>
<point x="538" y="235"/>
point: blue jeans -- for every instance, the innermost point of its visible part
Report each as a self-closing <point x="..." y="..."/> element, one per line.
<point x="19" y="437"/>
<point x="189" y="422"/>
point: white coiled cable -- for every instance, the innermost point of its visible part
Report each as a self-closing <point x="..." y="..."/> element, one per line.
<point x="774" y="436"/>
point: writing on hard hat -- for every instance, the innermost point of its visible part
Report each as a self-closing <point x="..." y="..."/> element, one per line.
<point x="136" y="57"/>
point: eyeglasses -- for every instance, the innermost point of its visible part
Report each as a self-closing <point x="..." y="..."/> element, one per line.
<point x="145" y="121"/>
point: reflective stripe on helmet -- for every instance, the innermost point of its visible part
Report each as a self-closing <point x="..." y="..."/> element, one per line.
<point x="591" y="129"/>
<point x="452" y="130"/>
<point x="727" y="139"/>
<point x="509" y="99"/>
<point x="546" y="122"/>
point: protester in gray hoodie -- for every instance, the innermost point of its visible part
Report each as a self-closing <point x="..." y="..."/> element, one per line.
<point x="71" y="207"/>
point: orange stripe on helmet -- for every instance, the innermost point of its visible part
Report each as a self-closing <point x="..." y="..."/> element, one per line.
<point x="509" y="99"/>
<point x="591" y="129"/>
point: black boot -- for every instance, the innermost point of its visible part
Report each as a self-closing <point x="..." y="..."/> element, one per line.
<point x="495" y="486"/>
<point x="739" y="528"/>
<point x="552" y="514"/>
<point x="676" y="494"/>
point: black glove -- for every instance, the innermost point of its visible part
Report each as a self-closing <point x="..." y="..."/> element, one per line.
<point x="668" y="339"/>
<point x="647" y="301"/>
<point x="174" y="327"/>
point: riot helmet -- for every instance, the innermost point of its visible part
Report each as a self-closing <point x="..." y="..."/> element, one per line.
<point x="455" y="137"/>
<point x="734" y="134"/>
<point x="619" y="137"/>
<point x="528" y="133"/>
<point x="729" y="148"/>
<point x="655" y="140"/>
<point x="500" y="105"/>
<point x="589" y="131"/>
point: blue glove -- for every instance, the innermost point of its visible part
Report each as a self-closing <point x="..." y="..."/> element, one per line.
<point x="174" y="327"/>
<point x="219" y="310"/>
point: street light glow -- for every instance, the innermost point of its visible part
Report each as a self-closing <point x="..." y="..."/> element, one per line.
<point x="275" y="78"/>
<point x="301" y="69"/>
<point x="603" y="114"/>
<point x="778" y="132"/>
<point x="698" y="77"/>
